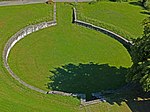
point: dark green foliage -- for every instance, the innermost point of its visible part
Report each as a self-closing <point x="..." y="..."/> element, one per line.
<point x="145" y="4"/>
<point x="140" y="53"/>
<point x="143" y="1"/>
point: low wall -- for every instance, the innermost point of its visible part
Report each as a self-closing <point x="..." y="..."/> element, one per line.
<point x="17" y="37"/>
<point x="122" y="40"/>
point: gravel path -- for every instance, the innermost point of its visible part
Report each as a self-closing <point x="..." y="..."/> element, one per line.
<point x="21" y="2"/>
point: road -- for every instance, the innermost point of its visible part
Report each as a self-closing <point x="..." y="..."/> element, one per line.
<point x="21" y="2"/>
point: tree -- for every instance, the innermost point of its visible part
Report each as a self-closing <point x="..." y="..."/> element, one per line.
<point x="143" y="1"/>
<point x="140" y="54"/>
<point x="145" y="4"/>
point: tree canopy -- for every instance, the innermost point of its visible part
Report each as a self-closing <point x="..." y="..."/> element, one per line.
<point x="140" y="54"/>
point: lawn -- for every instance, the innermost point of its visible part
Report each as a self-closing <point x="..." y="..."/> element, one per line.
<point x="13" y="96"/>
<point x="51" y="48"/>
<point x="41" y="52"/>
<point x="126" y="17"/>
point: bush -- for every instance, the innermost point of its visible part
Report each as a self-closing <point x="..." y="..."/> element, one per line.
<point x="147" y="5"/>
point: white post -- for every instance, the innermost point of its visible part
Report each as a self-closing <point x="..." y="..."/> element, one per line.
<point x="54" y="12"/>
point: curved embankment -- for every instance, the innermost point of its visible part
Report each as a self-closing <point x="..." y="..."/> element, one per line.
<point x="122" y="40"/>
<point x="17" y="37"/>
<point x="33" y="28"/>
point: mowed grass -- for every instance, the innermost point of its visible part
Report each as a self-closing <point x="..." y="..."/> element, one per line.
<point x="125" y="16"/>
<point x="14" y="18"/>
<point x="106" y="107"/>
<point x="14" y="97"/>
<point x="34" y="57"/>
<point x="63" y="44"/>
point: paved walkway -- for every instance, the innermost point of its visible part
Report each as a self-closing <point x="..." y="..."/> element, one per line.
<point x="21" y="2"/>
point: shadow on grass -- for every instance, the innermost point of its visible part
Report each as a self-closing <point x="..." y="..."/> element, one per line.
<point x="91" y="77"/>
<point x="139" y="106"/>
<point x="130" y="94"/>
<point x="87" y="78"/>
<point x="137" y="3"/>
<point x="145" y="12"/>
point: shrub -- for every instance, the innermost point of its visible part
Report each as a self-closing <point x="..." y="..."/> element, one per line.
<point x="147" y="5"/>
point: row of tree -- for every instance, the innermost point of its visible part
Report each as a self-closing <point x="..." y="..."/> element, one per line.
<point x="146" y="4"/>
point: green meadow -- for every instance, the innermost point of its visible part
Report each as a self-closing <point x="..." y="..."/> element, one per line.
<point x="33" y="57"/>
<point x="15" y="97"/>
<point x="65" y="57"/>
<point x="124" y="16"/>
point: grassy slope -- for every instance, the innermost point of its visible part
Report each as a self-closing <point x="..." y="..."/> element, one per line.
<point x="124" y="15"/>
<point x="102" y="107"/>
<point x="13" y="96"/>
<point x="63" y="44"/>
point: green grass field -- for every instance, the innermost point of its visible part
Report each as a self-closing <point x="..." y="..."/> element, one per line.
<point x="13" y="96"/>
<point x="34" y="56"/>
<point x="125" y="16"/>
<point x="48" y="49"/>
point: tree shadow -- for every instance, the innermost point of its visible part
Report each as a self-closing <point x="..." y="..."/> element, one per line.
<point x="139" y="106"/>
<point x="145" y="12"/>
<point x="137" y="3"/>
<point x="87" y="78"/>
<point x="92" y="77"/>
<point x="130" y="94"/>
